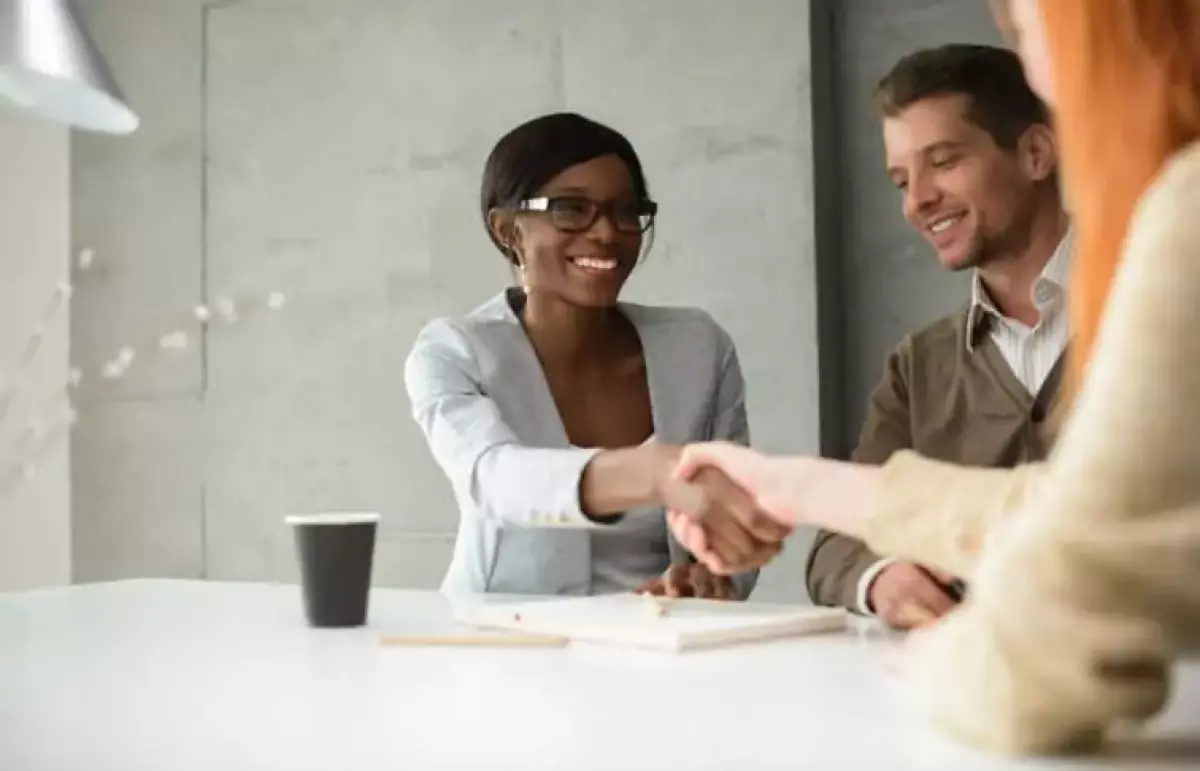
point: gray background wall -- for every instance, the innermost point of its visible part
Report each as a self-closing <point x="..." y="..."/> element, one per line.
<point x="332" y="151"/>
<point x="35" y="516"/>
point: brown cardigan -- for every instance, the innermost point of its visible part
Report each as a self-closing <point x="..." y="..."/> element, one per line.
<point x="948" y="401"/>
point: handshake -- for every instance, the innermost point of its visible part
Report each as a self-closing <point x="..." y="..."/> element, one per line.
<point x="718" y="498"/>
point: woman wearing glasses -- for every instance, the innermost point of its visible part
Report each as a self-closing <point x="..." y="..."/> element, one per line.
<point x="557" y="411"/>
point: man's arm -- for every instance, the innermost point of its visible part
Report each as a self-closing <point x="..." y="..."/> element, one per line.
<point x="840" y="568"/>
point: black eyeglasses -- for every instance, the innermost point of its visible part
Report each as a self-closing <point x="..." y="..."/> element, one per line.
<point x="576" y="214"/>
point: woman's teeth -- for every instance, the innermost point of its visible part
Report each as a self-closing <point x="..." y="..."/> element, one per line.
<point x="595" y="264"/>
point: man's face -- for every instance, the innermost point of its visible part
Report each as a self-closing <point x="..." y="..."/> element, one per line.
<point x="971" y="199"/>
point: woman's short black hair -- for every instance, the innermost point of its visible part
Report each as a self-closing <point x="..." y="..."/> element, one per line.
<point x="537" y="151"/>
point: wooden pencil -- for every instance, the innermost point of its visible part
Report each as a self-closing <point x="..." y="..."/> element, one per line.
<point x="515" y="640"/>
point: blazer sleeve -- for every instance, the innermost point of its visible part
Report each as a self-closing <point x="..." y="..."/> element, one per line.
<point x="479" y="453"/>
<point x="1080" y="603"/>
<point x="837" y="564"/>
<point x="731" y="424"/>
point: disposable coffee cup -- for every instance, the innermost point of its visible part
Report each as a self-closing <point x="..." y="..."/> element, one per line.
<point x="335" y="550"/>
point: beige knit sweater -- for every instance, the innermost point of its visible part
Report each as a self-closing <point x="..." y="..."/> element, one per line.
<point x="1087" y="581"/>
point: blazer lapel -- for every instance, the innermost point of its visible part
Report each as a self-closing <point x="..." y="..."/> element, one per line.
<point x="668" y="427"/>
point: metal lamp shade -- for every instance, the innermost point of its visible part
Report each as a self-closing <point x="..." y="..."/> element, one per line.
<point x="50" y="66"/>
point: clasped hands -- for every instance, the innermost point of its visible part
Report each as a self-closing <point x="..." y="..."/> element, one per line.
<point x="713" y="513"/>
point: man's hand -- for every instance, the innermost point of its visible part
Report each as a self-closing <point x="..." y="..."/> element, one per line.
<point x="720" y="524"/>
<point x="906" y="596"/>
<point x="691" y="580"/>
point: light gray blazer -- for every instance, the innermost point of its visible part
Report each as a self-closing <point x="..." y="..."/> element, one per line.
<point x="479" y="394"/>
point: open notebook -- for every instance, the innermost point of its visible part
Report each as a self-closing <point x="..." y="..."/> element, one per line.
<point x="635" y="621"/>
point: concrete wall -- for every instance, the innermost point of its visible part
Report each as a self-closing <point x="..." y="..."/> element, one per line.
<point x="35" y="514"/>
<point x="138" y="463"/>
<point x="332" y="152"/>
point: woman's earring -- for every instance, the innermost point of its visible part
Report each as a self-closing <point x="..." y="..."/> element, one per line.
<point x="520" y="266"/>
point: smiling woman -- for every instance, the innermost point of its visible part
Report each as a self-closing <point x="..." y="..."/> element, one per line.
<point x="557" y="410"/>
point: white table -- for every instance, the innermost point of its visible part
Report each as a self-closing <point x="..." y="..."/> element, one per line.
<point x="173" y="675"/>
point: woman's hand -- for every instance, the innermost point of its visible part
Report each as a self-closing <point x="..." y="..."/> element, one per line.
<point x="774" y="484"/>
<point x="790" y="490"/>
<point x="691" y="580"/>
<point x="717" y="513"/>
<point x="719" y="523"/>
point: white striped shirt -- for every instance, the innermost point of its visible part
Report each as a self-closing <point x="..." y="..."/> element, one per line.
<point x="1031" y="352"/>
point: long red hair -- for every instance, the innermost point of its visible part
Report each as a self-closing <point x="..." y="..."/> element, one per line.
<point x="1126" y="81"/>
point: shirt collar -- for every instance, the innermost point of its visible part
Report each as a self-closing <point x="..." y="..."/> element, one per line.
<point x="1053" y="277"/>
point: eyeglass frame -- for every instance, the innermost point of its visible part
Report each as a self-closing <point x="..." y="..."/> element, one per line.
<point x="541" y="205"/>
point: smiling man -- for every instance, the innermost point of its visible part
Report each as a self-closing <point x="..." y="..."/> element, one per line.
<point x="971" y="152"/>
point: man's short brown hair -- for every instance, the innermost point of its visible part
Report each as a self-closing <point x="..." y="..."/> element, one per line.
<point x="1000" y="99"/>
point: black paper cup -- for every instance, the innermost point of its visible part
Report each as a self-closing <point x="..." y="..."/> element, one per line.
<point x="336" y="550"/>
